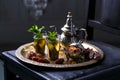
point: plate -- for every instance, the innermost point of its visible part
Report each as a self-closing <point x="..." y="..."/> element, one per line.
<point x="21" y="51"/>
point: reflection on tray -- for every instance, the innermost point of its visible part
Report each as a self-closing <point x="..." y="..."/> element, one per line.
<point x="27" y="54"/>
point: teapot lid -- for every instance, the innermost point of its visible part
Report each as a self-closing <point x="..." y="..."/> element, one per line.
<point x="67" y="26"/>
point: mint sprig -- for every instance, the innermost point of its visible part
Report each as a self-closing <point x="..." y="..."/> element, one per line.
<point x="38" y="32"/>
<point x="52" y="36"/>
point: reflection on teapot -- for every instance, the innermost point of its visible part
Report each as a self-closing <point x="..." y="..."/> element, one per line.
<point x="66" y="34"/>
<point x="69" y="34"/>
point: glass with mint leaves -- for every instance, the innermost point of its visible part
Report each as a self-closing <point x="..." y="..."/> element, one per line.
<point x="39" y="40"/>
<point x="53" y="45"/>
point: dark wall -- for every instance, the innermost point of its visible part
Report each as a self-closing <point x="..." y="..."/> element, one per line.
<point x="13" y="21"/>
<point x="15" y="18"/>
<point x="108" y="12"/>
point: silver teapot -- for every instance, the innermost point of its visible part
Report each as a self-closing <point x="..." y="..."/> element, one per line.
<point x="69" y="35"/>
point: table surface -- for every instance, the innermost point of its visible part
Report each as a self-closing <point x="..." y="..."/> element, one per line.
<point x="108" y="66"/>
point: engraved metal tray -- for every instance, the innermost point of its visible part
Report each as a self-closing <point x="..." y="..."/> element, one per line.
<point x="21" y="51"/>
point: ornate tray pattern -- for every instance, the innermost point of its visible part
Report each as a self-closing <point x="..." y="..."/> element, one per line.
<point x="20" y="53"/>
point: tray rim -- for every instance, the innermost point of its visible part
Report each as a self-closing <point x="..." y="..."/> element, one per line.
<point x="22" y="58"/>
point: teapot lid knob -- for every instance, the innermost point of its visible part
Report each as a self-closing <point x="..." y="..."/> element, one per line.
<point x="69" y="15"/>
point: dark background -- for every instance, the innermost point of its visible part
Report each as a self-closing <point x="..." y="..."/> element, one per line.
<point x="15" y="19"/>
<point x="108" y="13"/>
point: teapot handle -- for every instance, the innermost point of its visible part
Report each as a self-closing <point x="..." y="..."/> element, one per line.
<point x="85" y="37"/>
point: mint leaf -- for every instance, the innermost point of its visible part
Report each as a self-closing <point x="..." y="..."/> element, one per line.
<point x="52" y="36"/>
<point x="38" y="32"/>
<point x="34" y="29"/>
